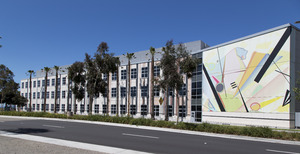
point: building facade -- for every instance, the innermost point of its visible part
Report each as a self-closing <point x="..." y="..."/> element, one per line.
<point x="248" y="81"/>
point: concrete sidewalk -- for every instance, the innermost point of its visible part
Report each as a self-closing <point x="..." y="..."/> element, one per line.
<point x="10" y="145"/>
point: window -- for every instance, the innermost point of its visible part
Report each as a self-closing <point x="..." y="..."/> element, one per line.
<point x="47" y="96"/>
<point x="123" y="91"/>
<point x="52" y="94"/>
<point x="133" y="109"/>
<point x="70" y="94"/>
<point x="26" y="95"/>
<point x="58" y="94"/>
<point x="81" y="108"/>
<point x="143" y="110"/>
<point x="64" y="80"/>
<point x="182" y="91"/>
<point x="171" y="92"/>
<point x="53" y="82"/>
<point x="52" y="107"/>
<point x="114" y="76"/>
<point x="88" y="108"/>
<point x="156" y="90"/>
<point x="22" y="85"/>
<point x="133" y="91"/>
<point x="123" y="74"/>
<point x="33" y="107"/>
<point x="123" y="109"/>
<point x="43" y="94"/>
<point x="96" y="108"/>
<point x="38" y="95"/>
<point x="144" y="91"/>
<point x="133" y="73"/>
<point x="70" y="106"/>
<point x="57" y="107"/>
<point x="113" y="92"/>
<point x="104" y="77"/>
<point x="33" y="95"/>
<point x="63" y="94"/>
<point x="48" y="82"/>
<point x="39" y="83"/>
<point x="34" y="84"/>
<point x="144" y="72"/>
<point x="170" y="111"/>
<point x="63" y="107"/>
<point x="156" y="71"/>
<point x="113" y="109"/>
<point x="182" y="111"/>
<point x="104" y="107"/>
<point x="37" y="107"/>
<point x="26" y="84"/>
<point x="156" y="110"/>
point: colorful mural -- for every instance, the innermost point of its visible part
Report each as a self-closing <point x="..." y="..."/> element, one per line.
<point x="251" y="75"/>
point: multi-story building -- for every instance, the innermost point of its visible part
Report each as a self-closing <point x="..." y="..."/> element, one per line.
<point x="248" y="81"/>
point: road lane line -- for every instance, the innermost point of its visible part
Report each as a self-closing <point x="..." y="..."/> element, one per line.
<point x="270" y="150"/>
<point x="53" y="126"/>
<point x="135" y="135"/>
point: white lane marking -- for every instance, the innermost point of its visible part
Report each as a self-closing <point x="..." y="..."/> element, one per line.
<point x="270" y="150"/>
<point x="53" y="126"/>
<point x="135" y="135"/>
<point x="72" y="144"/>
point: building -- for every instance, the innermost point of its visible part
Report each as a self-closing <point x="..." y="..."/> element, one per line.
<point x="247" y="81"/>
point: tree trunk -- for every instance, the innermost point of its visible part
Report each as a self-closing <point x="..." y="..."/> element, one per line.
<point x="74" y="105"/>
<point x="118" y="87"/>
<point x="108" y="100"/>
<point x="91" y="100"/>
<point x="182" y="103"/>
<point x="129" y="78"/>
<point x="45" y="92"/>
<point x="68" y="96"/>
<point x="167" y="105"/>
<point x="30" y="93"/>
<point x="177" y="105"/>
<point x="152" y="88"/>
<point x="56" y="86"/>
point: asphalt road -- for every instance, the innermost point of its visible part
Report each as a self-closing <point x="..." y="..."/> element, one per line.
<point x="140" y="139"/>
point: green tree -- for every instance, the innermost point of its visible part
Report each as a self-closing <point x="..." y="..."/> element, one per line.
<point x="6" y="77"/>
<point x="94" y="82"/>
<point x="107" y="63"/>
<point x="76" y="74"/>
<point x="129" y="56"/>
<point x="46" y="70"/>
<point x="30" y="72"/>
<point x="9" y="92"/>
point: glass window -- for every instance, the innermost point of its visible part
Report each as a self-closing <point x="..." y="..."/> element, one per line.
<point x="37" y="107"/>
<point x="52" y="107"/>
<point x="22" y="84"/>
<point x="156" y="90"/>
<point x="34" y="84"/>
<point x="133" y="109"/>
<point x="47" y="96"/>
<point x="156" y="71"/>
<point x="26" y="84"/>
<point x="144" y="72"/>
<point x="123" y="91"/>
<point x="113" y="92"/>
<point x="133" y="73"/>
<point x="182" y="91"/>
<point x="81" y="108"/>
<point x="63" y="107"/>
<point x="123" y="74"/>
<point x="38" y="95"/>
<point x="52" y="94"/>
<point x="43" y="82"/>
<point x="57" y="107"/>
<point x="64" y="80"/>
<point x="104" y="108"/>
<point x="104" y="76"/>
<point x="63" y="94"/>
<point x="143" y="110"/>
<point x="170" y="110"/>
<point x="33" y="107"/>
<point x="39" y="83"/>
<point x="182" y="111"/>
<point x="114" y="76"/>
<point x="96" y="108"/>
<point x="48" y="82"/>
<point x="33" y="95"/>
<point x="43" y="94"/>
<point x="53" y="82"/>
<point x="26" y="95"/>
<point x="156" y="110"/>
<point x="133" y="91"/>
<point x="113" y="109"/>
<point x="123" y="109"/>
<point x="144" y="91"/>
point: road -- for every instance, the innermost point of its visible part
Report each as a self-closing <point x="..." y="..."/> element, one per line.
<point x="151" y="141"/>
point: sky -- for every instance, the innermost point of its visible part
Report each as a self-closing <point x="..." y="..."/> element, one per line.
<point x="43" y="33"/>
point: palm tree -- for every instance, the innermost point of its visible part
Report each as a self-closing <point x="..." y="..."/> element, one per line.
<point x="118" y="87"/>
<point x="152" y="52"/>
<point x="30" y="72"/>
<point x="56" y="87"/>
<point x="46" y="70"/>
<point x="129" y="56"/>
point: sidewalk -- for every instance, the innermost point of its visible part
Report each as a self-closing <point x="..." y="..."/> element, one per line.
<point x="9" y="145"/>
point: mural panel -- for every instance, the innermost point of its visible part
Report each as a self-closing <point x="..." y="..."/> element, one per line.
<point x="248" y="76"/>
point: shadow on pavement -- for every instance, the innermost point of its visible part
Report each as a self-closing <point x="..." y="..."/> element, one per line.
<point x="27" y="130"/>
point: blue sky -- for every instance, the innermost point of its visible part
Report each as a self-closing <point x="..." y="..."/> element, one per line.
<point x="39" y="33"/>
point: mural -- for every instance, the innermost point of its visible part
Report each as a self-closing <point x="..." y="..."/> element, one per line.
<point x="251" y="75"/>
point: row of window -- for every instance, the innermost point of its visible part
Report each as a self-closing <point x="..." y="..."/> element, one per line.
<point x="38" y="82"/>
<point x="38" y="95"/>
<point x="123" y="110"/>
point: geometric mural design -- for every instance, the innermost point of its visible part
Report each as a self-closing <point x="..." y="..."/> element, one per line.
<point x="251" y="75"/>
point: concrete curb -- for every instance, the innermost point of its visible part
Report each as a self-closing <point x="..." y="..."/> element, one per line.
<point x="258" y="139"/>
